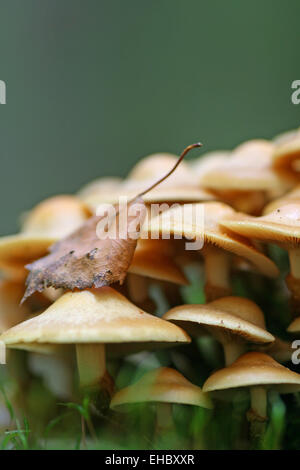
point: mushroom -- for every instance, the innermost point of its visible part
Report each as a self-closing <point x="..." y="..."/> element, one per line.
<point x="153" y="262"/>
<point x="90" y="320"/>
<point x="259" y="373"/>
<point x="11" y="313"/>
<point x="164" y="387"/>
<point x="202" y="222"/>
<point x="282" y="227"/>
<point x="289" y="198"/>
<point x="100" y="185"/>
<point x="246" y="179"/>
<point x="286" y="155"/>
<point x="280" y="350"/>
<point x="294" y="327"/>
<point x="233" y="321"/>
<point x="181" y="186"/>
<point x="49" y="221"/>
<point x="208" y="162"/>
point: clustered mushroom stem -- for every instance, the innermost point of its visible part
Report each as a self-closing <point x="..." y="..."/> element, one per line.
<point x="258" y="412"/>
<point x="232" y="351"/>
<point x="137" y="288"/>
<point x="91" y="364"/>
<point x="294" y="255"/>
<point x="217" y="273"/>
<point x="164" y="418"/>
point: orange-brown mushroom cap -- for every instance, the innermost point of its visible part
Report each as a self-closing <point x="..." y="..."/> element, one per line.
<point x="294" y="327"/>
<point x="237" y="316"/>
<point x="281" y="226"/>
<point x="251" y="370"/>
<point x="204" y="220"/>
<point x="98" y="316"/>
<point x="163" y="385"/>
<point x="49" y="221"/>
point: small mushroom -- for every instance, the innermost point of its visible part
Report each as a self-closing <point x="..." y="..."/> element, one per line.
<point x="164" y="387"/>
<point x="259" y="373"/>
<point x="181" y="186"/>
<point x="246" y="179"/>
<point x="49" y="221"/>
<point x="202" y="221"/>
<point x="91" y="320"/>
<point x="282" y="227"/>
<point x="233" y="321"/>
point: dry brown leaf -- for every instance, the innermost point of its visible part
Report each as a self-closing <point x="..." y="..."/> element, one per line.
<point x="83" y="260"/>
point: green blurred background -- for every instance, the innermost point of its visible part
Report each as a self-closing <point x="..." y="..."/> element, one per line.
<point x="93" y="85"/>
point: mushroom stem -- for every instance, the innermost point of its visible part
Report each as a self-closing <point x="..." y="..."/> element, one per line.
<point x="217" y="273"/>
<point x="91" y="364"/>
<point x="138" y="291"/>
<point x="293" y="280"/>
<point x="294" y="255"/>
<point x="257" y="415"/>
<point x="232" y="351"/>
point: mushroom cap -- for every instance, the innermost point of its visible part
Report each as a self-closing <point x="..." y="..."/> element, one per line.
<point x="286" y="154"/>
<point x="203" y="221"/>
<point x="289" y="198"/>
<point x="56" y="217"/>
<point x="150" y="260"/>
<point x="247" y="168"/>
<point x="99" y="316"/>
<point x="181" y="186"/>
<point x="230" y="315"/>
<point x="254" y="369"/>
<point x="163" y="385"/>
<point x="49" y="221"/>
<point x="155" y="166"/>
<point x="294" y="327"/>
<point x="207" y="162"/>
<point x="280" y="350"/>
<point x="157" y="195"/>
<point x="282" y="225"/>
<point x="100" y="185"/>
<point x="11" y="312"/>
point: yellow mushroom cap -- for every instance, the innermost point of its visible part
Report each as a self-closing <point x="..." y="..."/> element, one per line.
<point x="11" y="312"/>
<point x="253" y="369"/>
<point x="286" y="154"/>
<point x="157" y="195"/>
<point x="99" y="186"/>
<point x="294" y="327"/>
<point x="203" y="220"/>
<point x="282" y="225"/>
<point x="207" y="162"/>
<point x="163" y="385"/>
<point x="154" y="166"/>
<point x="49" y="221"/>
<point x="152" y="260"/>
<point x="99" y="316"/>
<point x="247" y="168"/>
<point x="232" y="315"/>
<point x="289" y="198"/>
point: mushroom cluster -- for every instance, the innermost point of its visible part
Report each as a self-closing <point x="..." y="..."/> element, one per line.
<point x="202" y="270"/>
